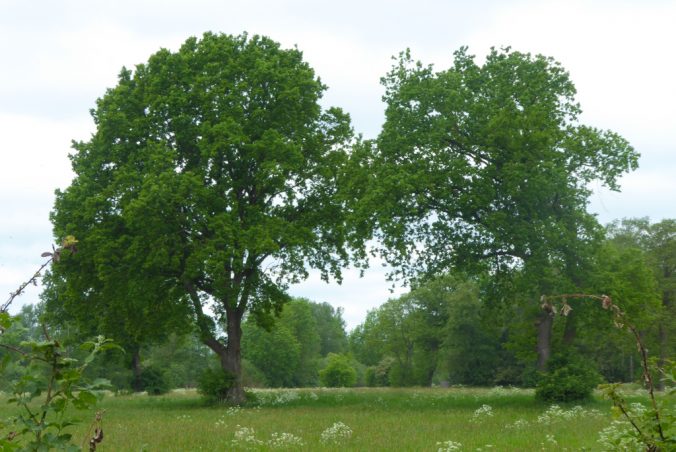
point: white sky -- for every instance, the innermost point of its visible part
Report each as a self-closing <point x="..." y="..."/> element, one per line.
<point x="58" y="57"/>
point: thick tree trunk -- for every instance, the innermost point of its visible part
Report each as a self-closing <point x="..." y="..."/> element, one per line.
<point x="544" y="325"/>
<point x="229" y="354"/>
<point x="231" y="360"/>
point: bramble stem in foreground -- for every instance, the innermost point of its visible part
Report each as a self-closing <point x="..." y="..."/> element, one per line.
<point x="620" y="321"/>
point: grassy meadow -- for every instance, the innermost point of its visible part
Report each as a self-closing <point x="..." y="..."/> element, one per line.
<point x="369" y="419"/>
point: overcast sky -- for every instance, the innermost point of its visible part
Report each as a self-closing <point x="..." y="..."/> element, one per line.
<point x="59" y="56"/>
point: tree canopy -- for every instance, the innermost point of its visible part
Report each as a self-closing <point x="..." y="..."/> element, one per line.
<point x="212" y="180"/>
<point x="487" y="163"/>
<point x="486" y="167"/>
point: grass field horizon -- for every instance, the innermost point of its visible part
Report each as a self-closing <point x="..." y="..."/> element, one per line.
<point x="354" y="419"/>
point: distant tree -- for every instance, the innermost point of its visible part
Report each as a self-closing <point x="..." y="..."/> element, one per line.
<point x="331" y="328"/>
<point x="298" y="316"/>
<point x="277" y="353"/>
<point x="658" y="242"/>
<point x="338" y="372"/>
<point x="213" y="179"/>
<point x="485" y="167"/>
<point x="95" y="300"/>
<point x="312" y="325"/>
<point x="471" y="351"/>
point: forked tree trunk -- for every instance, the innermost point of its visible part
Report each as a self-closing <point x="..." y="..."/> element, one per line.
<point x="230" y="357"/>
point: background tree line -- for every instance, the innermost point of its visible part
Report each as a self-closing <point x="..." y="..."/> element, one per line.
<point x="452" y="329"/>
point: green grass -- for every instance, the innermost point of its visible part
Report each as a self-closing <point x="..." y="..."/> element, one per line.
<point x="380" y="419"/>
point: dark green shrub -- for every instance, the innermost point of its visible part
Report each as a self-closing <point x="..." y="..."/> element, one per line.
<point x="338" y="372"/>
<point x="568" y="380"/>
<point x="370" y="376"/>
<point x="214" y="384"/>
<point x="154" y="381"/>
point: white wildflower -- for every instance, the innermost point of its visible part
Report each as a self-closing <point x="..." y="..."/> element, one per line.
<point x="619" y="436"/>
<point x="336" y="434"/>
<point x="245" y="436"/>
<point x="519" y="424"/>
<point x="482" y="413"/>
<point x="281" y="440"/>
<point x="448" y="446"/>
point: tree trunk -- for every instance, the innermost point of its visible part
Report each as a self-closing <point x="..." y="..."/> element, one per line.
<point x="570" y="330"/>
<point x="544" y="325"/>
<point x="136" y="383"/>
<point x="663" y="333"/>
<point x="231" y="360"/>
<point x="230" y="357"/>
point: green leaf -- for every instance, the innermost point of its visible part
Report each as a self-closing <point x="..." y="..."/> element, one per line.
<point x="5" y="320"/>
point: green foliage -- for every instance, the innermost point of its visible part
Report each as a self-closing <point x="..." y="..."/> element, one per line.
<point x="56" y="381"/>
<point x="338" y="372"/>
<point x="276" y="353"/>
<point x="51" y="383"/>
<point x="331" y="328"/>
<point x="154" y="381"/>
<point x="370" y="376"/>
<point x="568" y="379"/>
<point x="252" y="376"/>
<point x="208" y="165"/>
<point x="214" y="384"/>
<point x="486" y="165"/>
<point x="653" y="426"/>
<point x="288" y="352"/>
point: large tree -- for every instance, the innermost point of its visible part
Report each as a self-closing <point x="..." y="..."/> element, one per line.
<point x="213" y="175"/>
<point x="487" y="167"/>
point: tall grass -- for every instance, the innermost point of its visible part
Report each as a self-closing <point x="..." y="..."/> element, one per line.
<point x="377" y="419"/>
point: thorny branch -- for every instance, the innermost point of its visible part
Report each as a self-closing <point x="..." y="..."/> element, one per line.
<point x="620" y="321"/>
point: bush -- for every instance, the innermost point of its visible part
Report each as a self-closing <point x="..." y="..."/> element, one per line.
<point x="214" y="384"/>
<point x="568" y="380"/>
<point x="338" y="372"/>
<point x="154" y="381"/>
<point x="370" y="376"/>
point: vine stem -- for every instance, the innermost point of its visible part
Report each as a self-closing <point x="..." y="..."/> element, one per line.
<point x="22" y="287"/>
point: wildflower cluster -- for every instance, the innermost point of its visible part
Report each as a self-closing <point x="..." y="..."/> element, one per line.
<point x="481" y="413"/>
<point x="619" y="435"/>
<point x="233" y="410"/>
<point x="448" y="446"/>
<point x="336" y="434"/>
<point x="501" y="391"/>
<point x="551" y="440"/>
<point x="519" y="424"/>
<point x="220" y="422"/>
<point x="556" y="414"/>
<point x="245" y="436"/>
<point x="277" y="397"/>
<point x="282" y="440"/>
